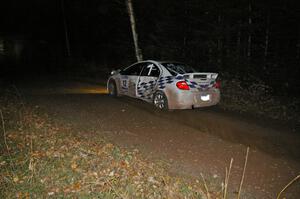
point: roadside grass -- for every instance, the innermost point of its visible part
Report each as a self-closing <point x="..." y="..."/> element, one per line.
<point x="40" y="159"/>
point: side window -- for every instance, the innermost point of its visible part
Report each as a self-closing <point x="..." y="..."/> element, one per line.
<point x="134" y="70"/>
<point x="150" y="70"/>
<point x="155" y="72"/>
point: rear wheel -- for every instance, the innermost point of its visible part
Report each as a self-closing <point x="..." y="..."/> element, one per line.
<point x="160" y="100"/>
<point x="112" y="89"/>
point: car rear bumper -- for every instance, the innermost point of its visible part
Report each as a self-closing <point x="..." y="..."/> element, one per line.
<point x="192" y="99"/>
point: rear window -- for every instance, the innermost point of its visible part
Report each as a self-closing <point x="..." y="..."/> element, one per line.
<point x="178" y="68"/>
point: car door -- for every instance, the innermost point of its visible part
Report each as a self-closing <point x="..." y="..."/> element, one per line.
<point x="129" y="78"/>
<point x="147" y="82"/>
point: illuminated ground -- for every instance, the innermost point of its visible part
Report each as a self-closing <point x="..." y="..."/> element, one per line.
<point x="193" y="141"/>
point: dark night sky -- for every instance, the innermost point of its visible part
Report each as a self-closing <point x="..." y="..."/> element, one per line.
<point x="33" y="19"/>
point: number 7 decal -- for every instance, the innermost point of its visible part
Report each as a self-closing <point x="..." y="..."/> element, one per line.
<point x="150" y="68"/>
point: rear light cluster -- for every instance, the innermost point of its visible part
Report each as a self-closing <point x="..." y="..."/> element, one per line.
<point x="217" y="84"/>
<point x="182" y="85"/>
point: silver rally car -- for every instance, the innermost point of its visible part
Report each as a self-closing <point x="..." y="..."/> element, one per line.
<point x="168" y="85"/>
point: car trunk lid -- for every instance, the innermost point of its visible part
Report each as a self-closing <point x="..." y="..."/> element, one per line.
<point x="202" y="81"/>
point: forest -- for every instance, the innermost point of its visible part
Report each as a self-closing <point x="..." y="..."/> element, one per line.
<point x="72" y="126"/>
<point x="246" y="39"/>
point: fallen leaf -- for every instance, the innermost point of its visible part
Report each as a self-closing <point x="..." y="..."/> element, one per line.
<point x="50" y="193"/>
<point x="16" y="179"/>
<point x="74" y="165"/>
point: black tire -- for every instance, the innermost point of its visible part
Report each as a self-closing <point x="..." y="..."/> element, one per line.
<point x="160" y="100"/>
<point x="112" y="88"/>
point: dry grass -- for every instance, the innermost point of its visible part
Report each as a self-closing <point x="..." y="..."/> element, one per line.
<point x="43" y="160"/>
<point x="243" y="175"/>
<point x="40" y="159"/>
<point x="226" y="181"/>
<point x="287" y="186"/>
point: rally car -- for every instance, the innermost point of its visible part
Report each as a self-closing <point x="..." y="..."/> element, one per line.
<point x="168" y="85"/>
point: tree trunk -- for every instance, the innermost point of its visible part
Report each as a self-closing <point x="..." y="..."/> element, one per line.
<point x="186" y="28"/>
<point x="219" y="42"/>
<point x="228" y="40"/>
<point x="138" y="52"/>
<point x="298" y="46"/>
<point x="66" y="29"/>
<point x="250" y="30"/>
<point x="267" y="33"/>
<point x="238" y="42"/>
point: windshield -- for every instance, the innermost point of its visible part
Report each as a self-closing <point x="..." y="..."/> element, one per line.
<point x="178" y="68"/>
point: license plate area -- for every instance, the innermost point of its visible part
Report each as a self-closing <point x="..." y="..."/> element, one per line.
<point x="205" y="97"/>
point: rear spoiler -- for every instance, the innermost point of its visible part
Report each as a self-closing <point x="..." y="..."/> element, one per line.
<point x="201" y="76"/>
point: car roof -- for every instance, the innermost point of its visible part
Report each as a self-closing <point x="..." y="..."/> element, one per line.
<point x="161" y="61"/>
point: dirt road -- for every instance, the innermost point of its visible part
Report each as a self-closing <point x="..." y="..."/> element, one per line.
<point x="192" y="141"/>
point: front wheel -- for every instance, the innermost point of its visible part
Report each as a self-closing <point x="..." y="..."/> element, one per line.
<point x="112" y="89"/>
<point x="160" y="100"/>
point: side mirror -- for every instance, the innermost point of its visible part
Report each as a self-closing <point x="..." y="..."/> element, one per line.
<point x="114" y="72"/>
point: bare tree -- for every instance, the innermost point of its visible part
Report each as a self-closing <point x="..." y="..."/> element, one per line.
<point x="66" y="29"/>
<point x="298" y="45"/>
<point x="238" y="41"/>
<point x="219" y="42"/>
<point x="138" y="51"/>
<point x="250" y="29"/>
<point x="267" y="38"/>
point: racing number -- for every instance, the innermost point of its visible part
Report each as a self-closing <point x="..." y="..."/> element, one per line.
<point x="150" y="68"/>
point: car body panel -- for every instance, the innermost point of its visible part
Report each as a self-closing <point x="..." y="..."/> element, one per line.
<point x="201" y="91"/>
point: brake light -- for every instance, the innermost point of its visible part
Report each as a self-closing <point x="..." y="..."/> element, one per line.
<point x="182" y="85"/>
<point x="217" y="84"/>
